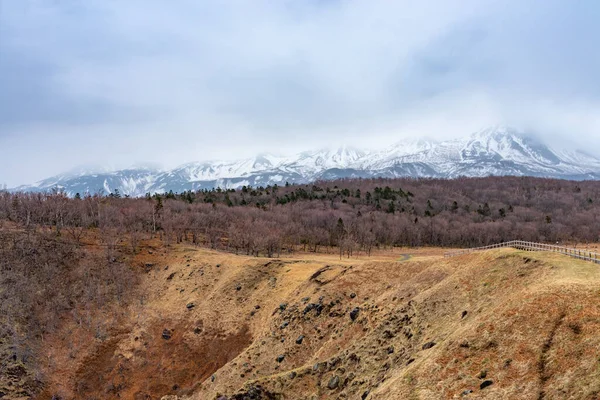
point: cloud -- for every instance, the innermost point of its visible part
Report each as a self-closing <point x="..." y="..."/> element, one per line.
<point x="113" y="82"/>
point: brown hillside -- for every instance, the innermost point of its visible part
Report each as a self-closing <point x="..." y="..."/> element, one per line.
<point x="213" y="325"/>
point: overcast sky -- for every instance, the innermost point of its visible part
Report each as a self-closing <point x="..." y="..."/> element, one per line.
<point x="117" y="82"/>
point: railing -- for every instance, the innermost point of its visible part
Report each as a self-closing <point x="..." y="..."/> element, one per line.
<point x="532" y="246"/>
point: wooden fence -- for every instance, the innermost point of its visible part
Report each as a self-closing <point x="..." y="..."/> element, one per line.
<point x="580" y="254"/>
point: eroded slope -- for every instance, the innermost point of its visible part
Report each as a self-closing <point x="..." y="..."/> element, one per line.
<point x="503" y="324"/>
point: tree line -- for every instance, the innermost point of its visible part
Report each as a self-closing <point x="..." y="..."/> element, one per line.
<point x="348" y="216"/>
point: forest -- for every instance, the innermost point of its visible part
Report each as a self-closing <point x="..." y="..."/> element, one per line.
<point x="347" y="216"/>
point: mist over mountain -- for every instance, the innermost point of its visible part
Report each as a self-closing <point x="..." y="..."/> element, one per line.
<point x="493" y="151"/>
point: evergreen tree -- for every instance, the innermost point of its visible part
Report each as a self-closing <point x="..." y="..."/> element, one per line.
<point x="391" y="208"/>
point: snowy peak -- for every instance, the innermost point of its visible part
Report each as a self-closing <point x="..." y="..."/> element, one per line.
<point x="265" y="161"/>
<point x="314" y="161"/>
<point x="341" y="157"/>
<point x="410" y="147"/>
<point x="501" y="141"/>
<point x="497" y="150"/>
<point x="509" y="144"/>
<point x="345" y="156"/>
<point x="209" y="170"/>
<point x="415" y="145"/>
<point x="406" y="151"/>
<point x="498" y="133"/>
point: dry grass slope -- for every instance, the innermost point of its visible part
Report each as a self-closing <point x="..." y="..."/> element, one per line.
<point x="502" y="324"/>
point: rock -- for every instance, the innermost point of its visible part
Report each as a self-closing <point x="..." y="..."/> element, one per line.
<point x="254" y="392"/>
<point x="300" y="339"/>
<point x="149" y="265"/>
<point x="334" y="382"/>
<point x="428" y="345"/>
<point x="280" y="358"/>
<point x="292" y="375"/>
<point x="166" y="334"/>
<point x="169" y="397"/>
<point x="365" y="394"/>
<point x="466" y="392"/>
<point x="319" y="309"/>
<point x="331" y="364"/>
<point x="308" y="308"/>
<point x="189" y="306"/>
<point x="485" y="384"/>
<point x="166" y="267"/>
<point x="482" y="374"/>
<point x="390" y="349"/>
<point x="197" y="331"/>
<point x="238" y="287"/>
<point x="218" y="265"/>
<point x="352" y="295"/>
<point x="313" y="306"/>
<point x="212" y="378"/>
<point x="284" y="325"/>
<point x="463" y="314"/>
<point x="354" y="313"/>
<point x="171" y="276"/>
<point x="412" y="360"/>
<point x="257" y="307"/>
<point x="283" y="306"/>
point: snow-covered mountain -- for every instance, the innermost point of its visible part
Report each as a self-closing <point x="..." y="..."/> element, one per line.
<point x="493" y="151"/>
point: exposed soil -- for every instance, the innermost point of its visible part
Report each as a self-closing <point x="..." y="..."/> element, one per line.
<point x="157" y="366"/>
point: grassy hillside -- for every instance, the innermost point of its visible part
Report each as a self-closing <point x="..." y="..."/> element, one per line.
<point x="207" y="325"/>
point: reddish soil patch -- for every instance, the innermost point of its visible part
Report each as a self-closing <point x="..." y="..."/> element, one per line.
<point x="158" y="366"/>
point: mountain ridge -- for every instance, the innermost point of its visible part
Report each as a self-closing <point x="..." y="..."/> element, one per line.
<point x="497" y="150"/>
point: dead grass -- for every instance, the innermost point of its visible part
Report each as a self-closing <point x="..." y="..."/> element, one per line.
<point x="531" y="321"/>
